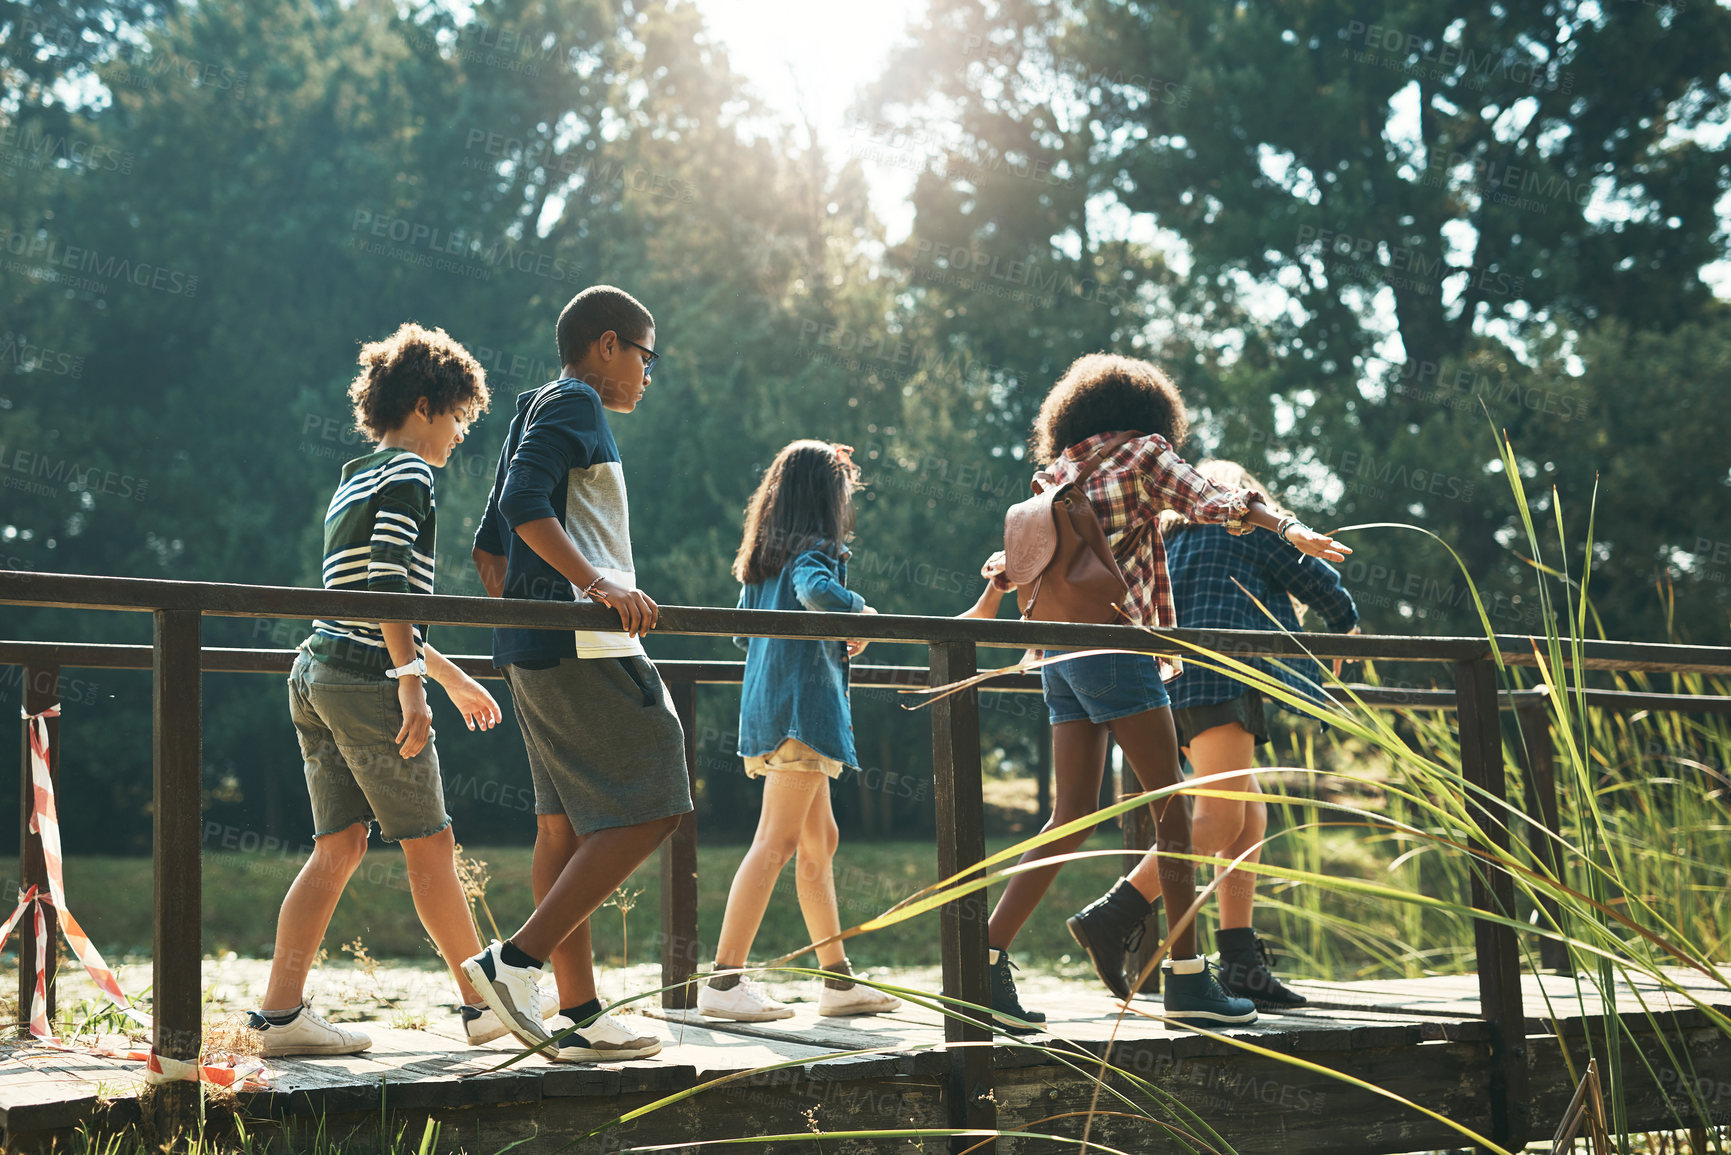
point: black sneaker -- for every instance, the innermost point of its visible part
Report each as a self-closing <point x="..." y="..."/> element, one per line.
<point x="1110" y="928"/>
<point x="1007" y="1006"/>
<point x="1247" y="970"/>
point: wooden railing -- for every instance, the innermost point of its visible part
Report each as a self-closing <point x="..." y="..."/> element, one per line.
<point x="177" y="660"/>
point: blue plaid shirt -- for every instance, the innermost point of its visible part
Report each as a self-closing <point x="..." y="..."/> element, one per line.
<point x="1204" y="559"/>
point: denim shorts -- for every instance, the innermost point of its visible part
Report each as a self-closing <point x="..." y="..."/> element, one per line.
<point x="347" y="724"/>
<point x="1102" y="687"/>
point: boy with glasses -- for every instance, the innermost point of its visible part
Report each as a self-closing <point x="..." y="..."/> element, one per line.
<point x="606" y="751"/>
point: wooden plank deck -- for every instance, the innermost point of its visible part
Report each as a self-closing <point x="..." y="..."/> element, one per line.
<point x="1417" y="1038"/>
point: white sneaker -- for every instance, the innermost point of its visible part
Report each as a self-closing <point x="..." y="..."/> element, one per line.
<point x="605" y="1040"/>
<point x="481" y="1025"/>
<point x="511" y="992"/>
<point x="858" y="999"/>
<point x="745" y="1002"/>
<point x="307" y="1034"/>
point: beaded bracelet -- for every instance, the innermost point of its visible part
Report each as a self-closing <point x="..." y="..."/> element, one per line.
<point x="589" y="590"/>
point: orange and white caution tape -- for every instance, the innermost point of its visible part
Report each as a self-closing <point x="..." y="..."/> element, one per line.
<point x="160" y="1069"/>
<point x="45" y="822"/>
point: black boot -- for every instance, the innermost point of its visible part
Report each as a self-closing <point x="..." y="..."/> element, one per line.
<point x="1246" y="970"/>
<point x="1109" y="928"/>
<point x="1006" y="1004"/>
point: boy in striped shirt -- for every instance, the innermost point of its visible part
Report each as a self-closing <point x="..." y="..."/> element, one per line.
<point x="356" y="692"/>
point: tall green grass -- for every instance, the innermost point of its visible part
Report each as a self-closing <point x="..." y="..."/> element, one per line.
<point x="1638" y="857"/>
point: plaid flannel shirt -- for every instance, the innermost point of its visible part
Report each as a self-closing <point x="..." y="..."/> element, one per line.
<point x="1128" y="490"/>
<point x="1207" y="567"/>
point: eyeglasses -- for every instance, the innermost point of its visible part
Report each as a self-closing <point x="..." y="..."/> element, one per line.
<point x="649" y="365"/>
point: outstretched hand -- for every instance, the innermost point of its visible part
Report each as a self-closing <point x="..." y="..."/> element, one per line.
<point x="1319" y="545"/>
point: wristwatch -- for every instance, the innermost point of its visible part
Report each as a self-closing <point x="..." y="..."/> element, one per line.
<point x="415" y="669"/>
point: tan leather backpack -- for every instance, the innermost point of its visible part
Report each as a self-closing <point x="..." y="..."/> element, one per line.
<point x="1056" y="554"/>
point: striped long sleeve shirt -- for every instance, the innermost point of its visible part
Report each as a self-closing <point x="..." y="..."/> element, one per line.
<point x="379" y="534"/>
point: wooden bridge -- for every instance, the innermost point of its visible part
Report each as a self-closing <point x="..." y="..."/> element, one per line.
<point x="1422" y="1039"/>
<point x="1486" y="1051"/>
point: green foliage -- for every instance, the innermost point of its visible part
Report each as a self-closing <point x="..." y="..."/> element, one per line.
<point x="1390" y="220"/>
<point x="299" y="177"/>
<point x="206" y="208"/>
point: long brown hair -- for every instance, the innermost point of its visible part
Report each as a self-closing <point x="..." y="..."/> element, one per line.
<point x="805" y="498"/>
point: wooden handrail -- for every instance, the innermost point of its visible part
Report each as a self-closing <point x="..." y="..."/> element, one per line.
<point x="238" y="660"/>
<point x="177" y="660"/>
<point x="76" y="591"/>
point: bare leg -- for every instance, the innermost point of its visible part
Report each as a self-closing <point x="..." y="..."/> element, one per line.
<point x="787" y="797"/>
<point x="1226" y="827"/>
<point x="439" y="900"/>
<point x="1237" y="889"/>
<point x="1151" y="745"/>
<point x="306" y="913"/>
<point x="814" y="874"/>
<point x="594" y="870"/>
<point x="573" y="959"/>
<point x="1078" y="759"/>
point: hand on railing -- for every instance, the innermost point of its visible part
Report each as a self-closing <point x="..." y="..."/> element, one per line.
<point x="637" y="610"/>
<point x="857" y="644"/>
<point x="1339" y="662"/>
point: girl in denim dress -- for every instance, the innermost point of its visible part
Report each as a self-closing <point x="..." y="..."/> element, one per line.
<point x="795" y="727"/>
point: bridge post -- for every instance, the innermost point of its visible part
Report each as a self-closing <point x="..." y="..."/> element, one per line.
<point x="961" y="844"/>
<point x="1541" y="797"/>
<point x="1493" y="890"/>
<point x="177" y="947"/>
<point x="41" y="690"/>
<point x="679" y="945"/>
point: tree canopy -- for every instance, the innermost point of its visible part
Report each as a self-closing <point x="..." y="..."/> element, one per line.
<point x="1363" y="242"/>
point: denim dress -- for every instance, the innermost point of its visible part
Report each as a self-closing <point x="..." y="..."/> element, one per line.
<point x="797" y="687"/>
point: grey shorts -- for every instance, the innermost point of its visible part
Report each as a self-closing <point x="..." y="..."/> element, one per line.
<point x="347" y="725"/>
<point x="605" y="747"/>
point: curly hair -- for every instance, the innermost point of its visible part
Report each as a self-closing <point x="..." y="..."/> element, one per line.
<point x="805" y="497"/>
<point x="410" y="364"/>
<point x="1106" y="393"/>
